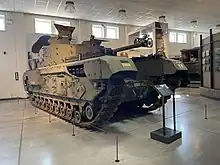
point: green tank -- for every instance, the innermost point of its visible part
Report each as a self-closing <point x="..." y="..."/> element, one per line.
<point x="161" y="70"/>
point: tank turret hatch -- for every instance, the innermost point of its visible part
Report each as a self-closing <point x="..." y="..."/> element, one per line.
<point x="93" y="41"/>
<point x="64" y="31"/>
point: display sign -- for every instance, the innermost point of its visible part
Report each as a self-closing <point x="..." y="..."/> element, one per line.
<point x="206" y="61"/>
<point x="163" y="90"/>
<point x="217" y="59"/>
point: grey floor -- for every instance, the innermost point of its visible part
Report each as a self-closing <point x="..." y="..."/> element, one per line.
<point x="27" y="138"/>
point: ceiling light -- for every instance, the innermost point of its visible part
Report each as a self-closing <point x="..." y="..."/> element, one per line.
<point x="122" y="14"/>
<point x="194" y="24"/>
<point x="162" y="19"/>
<point x="70" y="7"/>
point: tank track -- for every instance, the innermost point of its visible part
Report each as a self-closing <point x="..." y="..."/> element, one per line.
<point x="64" y="109"/>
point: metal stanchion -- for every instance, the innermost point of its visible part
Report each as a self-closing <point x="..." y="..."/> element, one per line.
<point x="73" y="126"/>
<point x="25" y="103"/>
<point x="164" y="125"/>
<point x="49" y="117"/>
<point x="117" y="159"/>
<point x="206" y="112"/>
<point x="174" y="112"/>
<point x="35" y="110"/>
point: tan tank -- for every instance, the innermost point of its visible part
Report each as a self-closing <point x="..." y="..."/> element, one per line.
<point x="79" y="83"/>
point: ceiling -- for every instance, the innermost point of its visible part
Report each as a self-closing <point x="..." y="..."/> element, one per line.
<point x="178" y="13"/>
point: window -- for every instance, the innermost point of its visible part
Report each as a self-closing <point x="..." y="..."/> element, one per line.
<point x="172" y="37"/>
<point x="178" y="37"/>
<point x="150" y="34"/>
<point x="64" y="23"/>
<point x="181" y="38"/>
<point x="2" y="22"/>
<point x="98" y="31"/>
<point x="112" y="32"/>
<point x="43" y="26"/>
<point x="101" y="31"/>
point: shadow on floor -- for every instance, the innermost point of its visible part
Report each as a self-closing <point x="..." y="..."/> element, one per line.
<point x="128" y="114"/>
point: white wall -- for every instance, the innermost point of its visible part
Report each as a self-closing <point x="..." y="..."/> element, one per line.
<point x="13" y="42"/>
<point x="86" y="31"/>
<point x="195" y="38"/>
<point x="17" y="39"/>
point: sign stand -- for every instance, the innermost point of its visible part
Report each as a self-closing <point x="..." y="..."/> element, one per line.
<point x="166" y="135"/>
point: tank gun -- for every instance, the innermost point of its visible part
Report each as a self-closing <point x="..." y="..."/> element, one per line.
<point x="145" y="41"/>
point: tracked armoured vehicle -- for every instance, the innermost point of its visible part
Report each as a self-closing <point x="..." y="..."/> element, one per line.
<point x="158" y="68"/>
<point x="161" y="70"/>
<point x="80" y="83"/>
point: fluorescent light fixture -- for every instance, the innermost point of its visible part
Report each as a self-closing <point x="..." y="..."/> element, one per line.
<point x="70" y="7"/>
<point x="122" y="14"/>
<point x="162" y="19"/>
<point x="194" y="24"/>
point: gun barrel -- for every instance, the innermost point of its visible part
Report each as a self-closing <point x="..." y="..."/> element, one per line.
<point x="137" y="45"/>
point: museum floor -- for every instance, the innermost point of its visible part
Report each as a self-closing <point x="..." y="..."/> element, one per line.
<point x="27" y="138"/>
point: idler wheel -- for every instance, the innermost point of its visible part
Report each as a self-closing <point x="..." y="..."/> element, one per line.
<point x="47" y="105"/>
<point x="78" y="117"/>
<point x="43" y="104"/>
<point x="62" y="111"/>
<point x="89" y="113"/>
<point x="51" y="109"/>
<point x="57" y="110"/>
<point x="69" y="114"/>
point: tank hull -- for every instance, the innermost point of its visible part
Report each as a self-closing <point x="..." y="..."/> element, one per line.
<point x="173" y="73"/>
<point x="85" y="97"/>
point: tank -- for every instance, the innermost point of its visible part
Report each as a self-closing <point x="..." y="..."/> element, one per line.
<point x="161" y="70"/>
<point x="190" y="57"/>
<point x="81" y="83"/>
<point x="157" y="68"/>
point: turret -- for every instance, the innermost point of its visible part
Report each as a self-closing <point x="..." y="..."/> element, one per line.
<point x="96" y="50"/>
<point x="53" y="50"/>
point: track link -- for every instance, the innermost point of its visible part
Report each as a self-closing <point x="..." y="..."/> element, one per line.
<point x="65" y="109"/>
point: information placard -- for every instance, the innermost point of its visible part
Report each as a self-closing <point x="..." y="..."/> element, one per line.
<point x="164" y="90"/>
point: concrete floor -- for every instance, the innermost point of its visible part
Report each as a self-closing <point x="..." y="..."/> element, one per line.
<point x="27" y="138"/>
